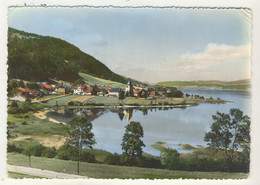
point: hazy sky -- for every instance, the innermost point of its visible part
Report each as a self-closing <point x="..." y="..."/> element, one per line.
<point x="151" y="44"/>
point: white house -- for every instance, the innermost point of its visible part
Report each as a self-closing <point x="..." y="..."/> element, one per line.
<point x="79" y="89"/>
<point x="20" y="98"/>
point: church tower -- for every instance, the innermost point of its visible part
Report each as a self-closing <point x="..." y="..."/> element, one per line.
<point x="129" y="89"/>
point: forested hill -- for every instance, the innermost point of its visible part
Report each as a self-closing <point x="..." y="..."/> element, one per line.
<point x="35" y="58"/>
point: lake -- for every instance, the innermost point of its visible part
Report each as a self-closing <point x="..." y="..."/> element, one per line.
<point x="174" y="126"/>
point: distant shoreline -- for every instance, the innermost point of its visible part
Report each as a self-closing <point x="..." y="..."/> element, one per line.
<point x="209" y="88"/>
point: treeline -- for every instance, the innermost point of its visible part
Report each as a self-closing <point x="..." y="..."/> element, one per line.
<point x="36" y="58"/>
<point x="65" y="152"/>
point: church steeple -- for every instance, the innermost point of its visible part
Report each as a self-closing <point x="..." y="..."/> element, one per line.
<point x="129" y="89"/>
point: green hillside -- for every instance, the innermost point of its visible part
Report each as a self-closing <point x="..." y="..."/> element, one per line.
<point x="92" y="80"/>
<point x="33" y="57"/>
<point x="240" y="84"/>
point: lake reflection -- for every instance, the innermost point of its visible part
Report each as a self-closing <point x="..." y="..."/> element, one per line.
<point x="173" y="125"/>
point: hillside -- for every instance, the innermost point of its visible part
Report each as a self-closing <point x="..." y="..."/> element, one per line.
<point x="213" y="84"/>
<point x="36" y="58"/>
<point x="92" y="80"/>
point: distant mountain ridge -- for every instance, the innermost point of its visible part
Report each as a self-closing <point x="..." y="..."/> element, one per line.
<point x="210" y="84"/>
<point x="34" y="57"/>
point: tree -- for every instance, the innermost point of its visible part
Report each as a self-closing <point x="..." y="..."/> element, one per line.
<point x="80" y="135"/>
<point x="144" y="93"/>
<point x="230" y="131"/>
<point x="132" y="143"/>
<point x="171" y="158"/>
<point x="121" y="95"/>
<point x="29" y="151"/>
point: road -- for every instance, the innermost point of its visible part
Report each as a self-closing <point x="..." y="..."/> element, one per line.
<point x="43" y="173"/>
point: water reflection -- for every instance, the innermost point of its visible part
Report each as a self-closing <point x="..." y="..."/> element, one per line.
<point x="65" y="114"/>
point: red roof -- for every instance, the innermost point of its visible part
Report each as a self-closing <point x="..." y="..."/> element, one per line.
<point x="30" y="89"/>
<point x="80" y="86"/>
<point x="23" y="96"/>
<point x="98" y="85"/>
<point x="89" y="90"/>
<point x="47" y="86"/>
<point x="108" y="90"/>
<point x="110" y="87"/>
<point x="41" y="85"/>
<point x="23" y="90"/>
<point x="136" y="91"/>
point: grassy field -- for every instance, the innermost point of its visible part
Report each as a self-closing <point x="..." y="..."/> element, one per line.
<point x="110" y="171"/>
<point x="142" y="101"/>
<point x="207" y="84"/>
<point x="17" y="175"/>
<point x="81" y="99"/>
<point x="102" y="100"/>
<point x="95" y="80"/>
<point x="46" y="97"/>
<point x="33" y="126"/>
<point x="61" y="101"/>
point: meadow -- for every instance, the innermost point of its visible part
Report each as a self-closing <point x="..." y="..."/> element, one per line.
<point x="92" y="80"/>
<point x="105" y="100"/>
<point x="112" y="171"/>
<point x="62" y="101"/>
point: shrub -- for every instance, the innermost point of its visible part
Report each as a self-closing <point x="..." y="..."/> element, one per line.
<point x="37" y="150"/>
<point x="14" y="104"/>
<point x="49" y="152"/>
<point x="112" y="159"/>
<point x="152" y="162"/>
<point x="13" y="148"/>
<point x="13" y="110"/>
<point x="24" y="123"/>
<point x="87" y="157"/>
<point x="171" y="158"/>
<point x="131" y="161"/>
<point x="67" y="152"/>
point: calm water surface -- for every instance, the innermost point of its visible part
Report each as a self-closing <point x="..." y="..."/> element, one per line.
<point x="174" y="126"/>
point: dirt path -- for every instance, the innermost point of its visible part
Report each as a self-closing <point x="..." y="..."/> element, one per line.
<point x="43" y="173"/>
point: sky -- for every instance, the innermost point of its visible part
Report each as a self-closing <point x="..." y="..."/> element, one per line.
<point x="151" y="44"/>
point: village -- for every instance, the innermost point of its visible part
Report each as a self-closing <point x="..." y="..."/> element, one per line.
<point x="42" y="92"/>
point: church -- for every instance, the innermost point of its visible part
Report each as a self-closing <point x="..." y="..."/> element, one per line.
<point x="129" y="89"/>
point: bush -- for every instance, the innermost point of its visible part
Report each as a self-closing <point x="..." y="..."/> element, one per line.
<point x="76" y="103"/>
<point x="13" y="148"/>
<point x="67" y="152"/>
<point x="112" y="159"/>
<point x="37" y="150"/>
<point x="171" y="159"/>
<point x="87" y="157"/>
<point x="24" y="123"/>
<point x="131" y="161"/>
<point x="152" y="162"/>
<point x="13" y="110"/>
<point x="14" y="104"/>
<point x="49" y="152"/>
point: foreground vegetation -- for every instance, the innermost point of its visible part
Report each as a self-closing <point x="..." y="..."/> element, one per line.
<point x="17" y="175"/>
<point x="112" y="171"/>
<point x="28" y="124"/>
